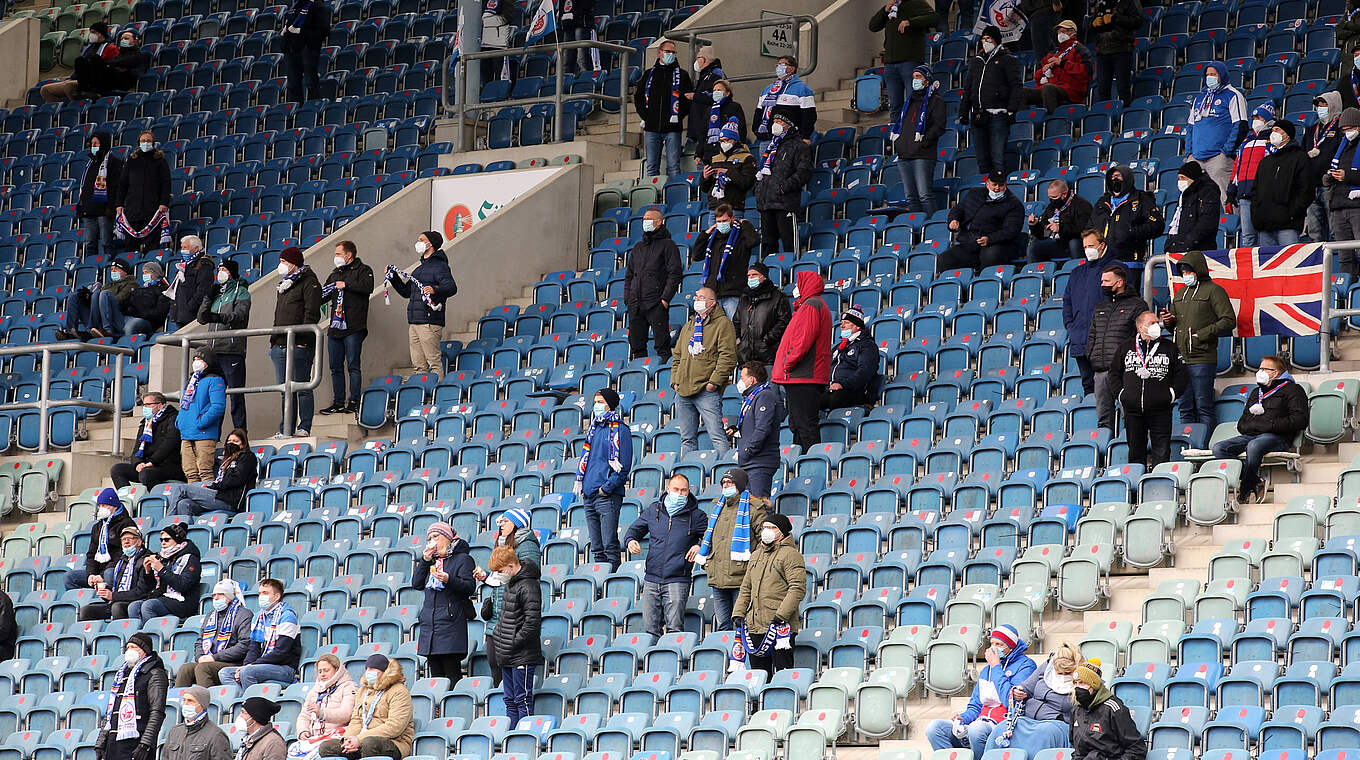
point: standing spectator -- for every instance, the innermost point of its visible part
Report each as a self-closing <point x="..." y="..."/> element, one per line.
<point x="1277" y="411"/>
<point x="156" y="455"/>
<point x="513" y="532"/>
<point x="802" y="365"/>
<point x="725" y="248"/>
<point x="1113" y="326"/>
<point x="227" y="307"/>
<point x="917" y="128"/>
<point x="444" y="572"/>
<point x="305" y="30"/>
<point x="98" y="47"/>
<point x="1321" y="143"/>
<point x="700" y="370"/>
<point x="1250" y="153"/>
<point x="97" y="185"/>
<point x="661" y="105"/>
<point x="137" y="710"/>
<point x="298" y="303"/>
<point x="1194" y="226"/>
<point x="128" y="582"/>
<point x="497" y="16"/>
<point x="236" y="474"/>
<point x="729" y="170"/>
<point x="772" y="591"/>
<point x="577" y="23"/>
<point x="260" y="739"/>
<point x="148" y="307"/>
<point x="1284" y="189"/>
<point x="651" y="279"/>
<point x="329" y="704"/>
<point x="196" y="738"/>
<point x="1057" y="231"/>
<point x="987" y="222"/>
<point x="673" y="526"/>
<point x="97" y="310"/>
<point x="1102" y="727"/>
<point x="855" y="377"/>
<point x="1218" y="122"/>
<point x="1040" y="716"/>
<point x="1129" y="218"/>
<point x="1347" y="33"/>
<point x="1200" y="314"/>
<point x="1115" y="24"/>
<point x="730" y="113"/>
<point x="427" y="289"/>
<point x="905" y="24"/>
<point x="757" y="428"/>
<point x="1042" y="15"/>
<point x="347" y="290"/>
<point x="784" y="170"/>
<point x="725" y="548"/>
<point x="602" y="475"/>
<point x="517" y="640"/>
<point x="224" y="639"/>
<point x="1341" y="184"/>
<point x="142" y="198"/>
<point x="275" y="652"/>
<point x="992" y="94"/>
<point x="202" y="405"/>
<point x="788" y="96"/>
<point x="176" y="570"/>
<point x="193" y="282"/>
<point x="1147" y="377"/>
<point x="9" y="628"/>
<point x="762" y="315"/>
<point x="1064" y="76"/>
<point x="1007" y="667"/>
<point x="110" y="518"/>
<point x="706" y="117"/>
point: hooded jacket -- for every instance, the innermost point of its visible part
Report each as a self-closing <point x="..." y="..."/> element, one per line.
<point x="358" y="279"/>
<point x="1106" y="730"/>
<point x="300" y="304"/>
<point x="701" y="107"/>
<point x="334" y="706"/>
<point x="1218" y="118"/>
<point x="1072" y="72"/>
<point x="1073" y="218"/>
<point x="1115" y="24"/>
<point x="710" y="245"/>
<point x="993" y="82"/>
<point x="758" y="439"/>
<point x="1080" y="298"/>
<point x="1203" y="313"/>
<point x="1112" y="326"/>
<point x="804" y="354"/>
<point x="655" y="102"/>
<point x="762" y="315"/>
<point x="150" y="688"/>
<point x="527" y="551"/>
<point x="518" y="634"/>
<point x="723" y="571"/>
<point x="1285" y="187"/>
<point x="1286" y="409"/>
<point x="89" y="207"/>
<point x="741" y="175"/>
<point x="1129" y="221"/>
<point x="1322" y="139"/>
<point x="1043" y="703"/>
<point x="445" y="612"/>
<point x="600" y="474"/>
<point x="200" y="418"/>
<point x="900" y="46"/>
<point x="149" y="302"/>
<point x="227" y="307"/>
<point x="669" y="538"/>
<point x="163" y="451"/>
<point x="433" y="271"/>
<point x="234" y="652"/>
<point x="1001" y="220"/>
<point x="1196" y="219"/>
<point x="241" y="475"/>
<point x="201" y="741"/>
<point x="854" y="364"/>
<point x="793" y="99"/>
<point x="143" y="186"/>
<point x="1166" y="380"/>
<point x="195" y="283"/>
<point x="114" y="524"/>
<point x="393" y="717"/>
<point x="653" y="272"/>
<point x="790" y="170"/>
<point x="1004" y="676"/>
<point x="774" y="585"/>
<point x="910" y="145"/>
<point x="691" y="372"/>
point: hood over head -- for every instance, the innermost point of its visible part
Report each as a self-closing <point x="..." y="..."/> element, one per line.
<point x="810" y="284"/>
<point x="1195" y="261"/>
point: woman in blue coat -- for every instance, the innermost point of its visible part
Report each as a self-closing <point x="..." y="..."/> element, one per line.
<point x="1007" y="667"/>
<point x="201" y="408"/>
<point x="445" y="573"/>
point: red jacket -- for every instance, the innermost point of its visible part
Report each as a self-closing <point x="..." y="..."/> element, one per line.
<point x="804" y="354"/>
<point x="1072" y="73"/>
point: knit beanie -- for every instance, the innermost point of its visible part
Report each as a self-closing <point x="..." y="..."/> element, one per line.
<point x="731" y="130"/>
<point x="436" y="239"/>
<point x="109" y="498"/>
<point x="1088" y="674"/>
<point x="518" y="517"/>
<point x="1006" y="635"/>
<point x="1191" y="170"/>
<point x="993" y="32"/>
<point x="142" y="642"/>
<point x="737" y="477"/>
<point x="233" y="270"/>
<point x="260" y="710"/>
<point x="854" y="316"/>
<point x="441" y="529"/>
<point x="157" y="270"/>
<point x="782" y="522"/>
<point x="610" y="396"/>
<point x="293" y="255"/>
<point x="122" y="264"/>
<point x="1286" y="126"/>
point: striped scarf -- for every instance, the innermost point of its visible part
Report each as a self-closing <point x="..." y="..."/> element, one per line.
<point x="191" y="388"/>
<point x="675" y="92"/>
<point x="338" y="311"/>
<point x="123" y="228"/>
<point x="920" y="117"/>
<point x="123" y="705"/>
<point x="145" y="437"/>
<point x="741" y="531"/>
<point x="750" y="400"/>
<point x="127" y="567"/>
<point x="99" y="191"/>
<point x="727" y="250"/>
<point x="767" y="103"/>
<point x="612" y="421"/>
<point x="696" y="341"/>
<point x="776" y="637"/>
<point x="287" y="280"/>
<point x="217" y="629"/>
<point x="415" y="283"/>
<point x="767" y="158"/>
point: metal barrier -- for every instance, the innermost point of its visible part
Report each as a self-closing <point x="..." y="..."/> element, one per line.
<point x="806" y="63"/>
<point x="288" y="387"/>
<point x="558" y="97"/>
<point x="46" y="403"/>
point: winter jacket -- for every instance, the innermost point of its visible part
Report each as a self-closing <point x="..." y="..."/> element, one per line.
<point x="518" y="637"/>
<point x="1347" y="32"/>
<point x="727" y="280"/>
<point x="1073" y="218"/>
<point x="114" y="525"/>
<point x="1285" y="187"/>
<point x="691" y="372"/>
<point x="723" y="571"/>
<point x="804" y="354"/>
<point x="1194" y="226"/>
<point x="1218" y="118"/>
<point x="9" y="627"/>
<point x="910" y="145"/>
<point x="1128" y="222"/>
<point x="1005" y="675"/>
<point x="762" y="316"/>
<point x="334" y="706"/>
<point x="300" y="304"/>
<point x="200" y="418"/>
<point x="1250" y="154"/>
<point x="149" y="302"/>
<point x="150" y="688"/>
<point x="1001" y="220"/>
<point x="669" y="539"/>
<point x="1203" y="313"/>
<point x="143" y="186"/>
<point x="774" y="585"/>
<point x="854" y="364"/>
<point x="201" y="741"/>
<point x="653" y="272"/>
<point x="707" y="152"/>
<point x="1112" y="327"/>
<point x="1286" y="410"/>
<point x="280" y="641"/>
<point x="741" y="176"/>
<point x="393" y="716"/>
<point x="227" y="307"/>
<point x="1322" y="140"/>
<point x="908" y="44"/>
<point x="126" y="68"/>
<point x="89" y="207"/>
<point x="1072" y="72"/>
<point x="1166" y="380"/>
<point x="265" y="744"/>
<point x="240" y="476"/>
<point x="791" y="97"/>
<point x="758" y="435"/>
<point x="121" y="289"/>
<point x="234" y="651"/>
<point x="600" y="474"/>
<point x="1338" y="194"/>
<point x="432" y="271"/>
<point x="142" y="585"/>
<point x="527" y="551"/>
<point x="358" y="279"/>
<point x="790" y="170"/>
<point x="658" y="106"/>
<point x="1106" y="730"/>
<point x="1115" y="24"/>
<point x="701" y="106"/>
<point x="194" y="284"/>
<point x="582" y="13"/>
<point x="993" y="82"/>
<point x="163" y="450"/>
<point x="445" y="612"/>
<point x="314" y="29"/>
<point x="180" y="577"/>
<point x="1043" y="703"/>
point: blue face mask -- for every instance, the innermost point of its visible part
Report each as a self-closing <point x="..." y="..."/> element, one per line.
<point x="147" y="413"/>
<point x="753" y="282"/>
<point x="675" y="502"/>
<point x="600" y="410"/>
<point x="148" y="279"/>
<point x="724" y="227"/>
<point x="729" y="491"/>
<point x="129" y="551"/>
<point x="94" y="150"/>
<point x="847" y="333"/>
<point x="668" y="58"/>
<point x="996" y="195"/>
<point x="116" y="275"/>
<point x="917" y="85"/>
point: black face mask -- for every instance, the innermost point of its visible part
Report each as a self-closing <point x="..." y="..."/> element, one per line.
<point x="230" y="449"/>
<point x="1084" y="697"/>
<point x="1108" y="291"/>
<point x="1117" y="185"/>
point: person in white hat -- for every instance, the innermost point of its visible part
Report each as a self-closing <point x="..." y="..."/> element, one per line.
<point x="223" y="640"/>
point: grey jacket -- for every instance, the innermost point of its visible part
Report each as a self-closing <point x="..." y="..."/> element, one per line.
<point x="201" y="741"/>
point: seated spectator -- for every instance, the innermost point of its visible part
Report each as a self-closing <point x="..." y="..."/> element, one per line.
<point x="1285" y="186"/>
<point x="127" y="582"/>
<point x="916" y="132"/>
<point x="98" y="47"/>
<point x="156" y="455"/>
<point x="202" y="404"/>
<point x="1007" y="667"/>
<point x="177" y="570"/>
<point x="1253" y="149"/>
<point x="1056" y="232"/>
<point x="194" y="281"/>
<point x="234" y="476"/>
<point x="274" y="653"/>
<point x="196" y="737"/>
<point x="224" y="639"/>
<point x="1277" y="411"/>
<point x="1194" y="226"/>
<point x="855" y="376"/>
<point x="1064" y="76"/>
<point x="772" y="591"/>
<point x="729" y="169"/>
<point x="226" y="306"/>
<point x="762" y="314"/>
<point x="1129" y="218"/>
<point x="991" y="96"/>
<point x="987" y="222"/>
<point x="142" y="197"/>
<point x="97" y="310"/>
<point x="260" y="740"/>
<point x="784" y="169"/>
<point x="673" y="526"/>
<point x="328" y="706"/>
<point x="383" y="721"/>
<point x="1040" y="717"/>
<point x="95" y="204"/>
<point x="725" y="248"/>
<point x="128" y="66"/>
<point x="147" y="307"/>
<point x="1102" y="727"/>
<point x="110" y="519"/>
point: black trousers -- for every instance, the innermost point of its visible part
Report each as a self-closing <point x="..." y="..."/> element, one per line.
<point x="657" y="319"/>
<point x="234" y="373"/>
<point x="492" y="662"/>
<point x="125" y="474"/>
<point x="970" y="255"/>
<point x="102" y="610"/>
<point x="1155" y="427"/>
<point x="804" y="402"/>
<point x="776" y="232"/>
<point x="779" y="659"/>
<point x="448" y="666"/>
<point x="303" y="64"/>
<point x="843" y="398"/>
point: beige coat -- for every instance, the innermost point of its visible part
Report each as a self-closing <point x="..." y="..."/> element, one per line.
<point x="774" y="586"/>
<point x="267" y="746"/>
<point x="723" y="571"/>
<point x="394" y="715"/>
<point x="337" y="708"/>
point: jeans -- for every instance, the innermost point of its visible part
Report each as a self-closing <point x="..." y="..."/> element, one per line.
<point x="759" y="481"/>
<point x="724" y="599"/>
<point x="1256" y="447"/>
<point x="1050" y="249"/>
<point x="663" y="607"/>
<point x="101" y="311"/>
<point x="303" y="64"/>
<point x="253" y="674"/>
<point x="1108" y="68"/>
<point x="706" y="404"/>
<point x="234" y="373"/>
<point x="940" y="733"/>
<point x="918" y="184"/>
<point x="1197" y="405"/>
<point x="652" y="142"/>
<point x="1317" y="224"/>
<point x="149" y="609"/>
<point x="730" y="306"/>
<point x="1139" y="428"/>
<point x="193" y="500"/>
<point x="1105" y="401"/>
<point x="136" y="326"/>
<point x="1277" y="237"/>
<point x="302" y="371"/>
<point x="98" y="235"/>
<point x="1247" y="234"/>
<point x="518" y="686"/>
<point x="342" y="351"/>
<point x="1088" y="375"/>
<point x="988" y="134"/>
<point x="602" y="518"/>
<point x="896" y="80"/>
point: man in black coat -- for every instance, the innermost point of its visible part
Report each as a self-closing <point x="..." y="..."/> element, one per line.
<point x="661" y="105"/>
<point x="992" y="95"/>
<point x="1113" y="325"/>
<point x="1147" y="378"/>
<point x="782" y="171"/>
<point x="1194" y="226"/>
<point x="155" y="455"/>
<point x="762" y="314"/>
<point x="97" y="185"/>
<point x="193" y="281"/>
<point x="305" y="29"/>
<point x="1114" y="25"/>
<point x="298" y="303"/>
<point x="1284" y="188"/>
<point x="704" y="120"/>
<point x="1129" y="218"/>
<point x="651" y="279"/>
<point x="128" y="581"/>
<point x="1056" y="232"/>
<point x="987" y="222"/>
<point x="855" y="377"/>
<point x="142" y="197"/>
<point x="425" y="319"/>
<point x="725" y="248"/>
<point x="1277" y="411"/>
<point x="148" y="307"/>
<point x="518" y="640"/>
<point x="347" y="290"/>
<point x="757" y="428"/>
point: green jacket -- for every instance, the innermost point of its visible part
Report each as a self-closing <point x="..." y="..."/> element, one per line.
<point x="689" y="373"/>
<point x="227" y="309"/>
<point x="1203" y="314"/>
<point x="121" y="290"/>
<point x="723" y="571"/>
<point x="908" y="45"/>
<point x="774" y="586"/>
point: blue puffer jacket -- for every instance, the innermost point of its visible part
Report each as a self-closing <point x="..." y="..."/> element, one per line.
<point x="670" y="539"/>
<point x="200" y="419"/>
<point x="758" y="445"/>
<point x="598" y="472"/>
<point x="434" y="272"/>
<point x="1080" y="299"/>
<point x="1011" y="672"/>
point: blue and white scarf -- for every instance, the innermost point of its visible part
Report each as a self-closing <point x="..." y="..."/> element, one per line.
<point x="273" y="623"/>
<point x="190" y="388"/>
<point x="127" y="567"/>
<point x="432" y="583"/>
<point x="727" y="250"/>
<point x="338" y="310"/>
<point x="614" y="423"/>
<point x="122" y="713"/>
<point x="767" y="158"/>
<point x="102" y="553"/>
<point x="674" y="95"/>
<point x="750" y="400"/>
<point x="415" y="283"/>
<point x="776" y="637"/>
<point x="741" y="530"/>
<point x="696" y="340"/>
<point x="147" y="428"/>
<point x="287" y="280"/>
<point x="920" y="117"/>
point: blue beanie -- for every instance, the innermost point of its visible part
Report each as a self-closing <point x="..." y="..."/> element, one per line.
<point x="519" y="517"/>
<point x="1266" y="111"/>
<point x="109" y="497"/>
<point x="730" y="130"/>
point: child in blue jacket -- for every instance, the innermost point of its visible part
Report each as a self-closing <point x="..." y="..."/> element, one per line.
<point x="201" y="408"/>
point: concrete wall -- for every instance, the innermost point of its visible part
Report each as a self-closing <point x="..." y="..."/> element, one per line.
<point x="602" y="157"/>
<point x="19" y="56"/>
<point x="846" y="42"/>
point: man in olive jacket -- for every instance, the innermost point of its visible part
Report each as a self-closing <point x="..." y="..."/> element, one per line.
<point x="1200" y="314"/>
<point x="726" y="571"/>
<point x="702" y="364"/>
<point x="772" y="591"/>
<point x="905" y="24"/>
<point x="1277" y="411"/>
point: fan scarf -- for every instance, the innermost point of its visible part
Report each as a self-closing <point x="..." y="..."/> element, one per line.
<point x="750" y="401"/>
<point x="1355" y="84"/>
<point x="270" y="624"/>
<point x="675" y="93"/>
<point x="920" y="117"/>
<point x="102" y="553"/>
<point x="720" y="186"/>
<point x="123" y="706"/>
<point x="287" y="280"/>
<point x="419" y="288"/>
<point x="767" y="158"/>
<point x="1013" y="712"/>
<point x="741" y="530"/>
<point x="145" y="437"/>
<point x="218" y="627"/>
<point x="432" y="583"/>
<point x="1355" y="159"/>
<point x="372" y="708"/>
<point x="190" y="388"/>
<point x="177" y="568"/>
<point x="99" y="192"/>
<point x="299" y="17"/>
<point x="727" y="251"/>
<point x="123" y="228"/>
<point x="892" y="9"/>
<point x="767" y="104"/>
<point x="696" y="341"/>
<point x="338" y="311"/>
<point x="1204" y="102"/>
<point x="776" y="637"/>
<point x="612" y="421"/>
<point x="127" y="567"/>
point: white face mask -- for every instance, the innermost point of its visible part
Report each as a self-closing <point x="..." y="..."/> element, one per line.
<point x="742" y="385"/>
<point x="988" y="46"/>
<point x="649" y="225"/>
<point x="1262" y="377"/>
<point x="781" y="70"/>
<point x="1276" y="139"/>
<point x="700" y="307"/>
<point x="284" y="269"/>
<point x="1092" y="254"/>
<point x="421" y="246"/>
<point x="768" y="535"/>
<point x="777" y="128"/>
<point x="1063" y="37"/>
<point x="339" y="261"/>
<point x="241" y="724"/>
<point x="103" y="513"/>
<point x="1257" y="125"/>
<point x="199" y="365"/>
<point x="223" y="276"/>
<point x="726" y="147"/>
<point x="1182" y="184"/>
<point x="1154" y="331"/>
<point x="1352" y="134"/>
<point x="132" y="656"/>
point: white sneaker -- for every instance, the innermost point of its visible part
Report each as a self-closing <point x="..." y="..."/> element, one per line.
<point x="278" y="437"/>
<point x="302" y="433"/>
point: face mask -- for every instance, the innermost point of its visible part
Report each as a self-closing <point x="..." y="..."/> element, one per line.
<point x="600" y="410"/>
<point x="230" y="448"/>
<point x="777" y="128"/>
<point x="768" y="535"/>
<point x="1063" y="37"/>
<point x="199" y="365"/>
<point x="1154" y="331"/>
<point x="675" y="502"/>
<point x="726" y="147"/>
<point x="92" y="38"/>
<point x="339" y="261"/>
<point x="1001" y="650"/>
<point x="847" y="333"/>
<point x="370" y="677"/>
<point x="743" y="386"/>
<point x="1352" y="134"/>
<point x="241" y="724"/>
<point x="996" y="195"/>
<point x="148" y="279"/>
<point x="1262" y="377"/>
<point x="94" y="150"/>
<point x="649" y="225"/>
<point x="284" y="269"/>
<point x="129" y="551"/>
<point x="719" y="96"/>
<point x="1115" y="185"/>
<point x="220" y="604"/>
<point x="1323" y="112"/>
<point x="988" y="46"/>
<point x="1107" y="290"/>
<point x="1189" y="278"/>
<point x="1276" y="139"/>
<point x="266" y="602"/>
<point x="148" y="412"/>
<point x="1211" y="80"/>
<point x="131" y="656"/>
<point x="1092" y="254"/>
<point x="729" y="491"/>
<point x="918" y="85"/>
<point x="125" y="44"/>
<point x="668" y="58"/>
<point x="1257" y="125"/>
<point x="421" y="246"/>
<point x="1084" y="697"/>
<point x="222" y="276"/>
<point x="795" y="293"/>
<point x="1182" y="184"/>
<point x="700" y="307"/>
<point x="500" y="578"/>
<point x="752" y="282"/>
<point x="781" y="70"/>
<point x="724" y="227"/>
<point x="1356" y="61"/>
<point x="147" y="147"/>
<point x="116" y="275"/>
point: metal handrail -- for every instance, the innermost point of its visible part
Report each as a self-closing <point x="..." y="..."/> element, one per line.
<point x="691" y="36"/>
<point x="288" y="387"/>
<point x="45" y="402"/>
<point x="557" y="98"/>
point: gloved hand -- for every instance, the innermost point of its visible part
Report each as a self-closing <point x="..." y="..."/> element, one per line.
<point x="142" y="752"/>
<point x="738" y="622"/>
<point x="778" y="622"/>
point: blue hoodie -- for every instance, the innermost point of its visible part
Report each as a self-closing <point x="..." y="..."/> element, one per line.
<point x="1010" y="673"/>
<point x="1218" y="118"/>
<point x="1080" y="298"/>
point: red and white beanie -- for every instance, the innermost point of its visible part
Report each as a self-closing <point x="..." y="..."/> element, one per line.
<point x="1007" y="635"/>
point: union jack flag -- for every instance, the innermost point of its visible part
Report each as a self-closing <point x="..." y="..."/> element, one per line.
<point x="1275" y="290"/>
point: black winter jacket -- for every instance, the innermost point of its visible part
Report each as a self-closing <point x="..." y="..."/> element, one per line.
<point x="88" y="206"/>
<point x="143" y="584"/>
<point x="1286" y="410"/>
<point x="195" y="284"/>
<point x="741" y="175"/>
<point x="909" y="145"/>
<point x="300" y="304"/>
<point x="1286" y="183"/>
<point x="315" y="29"/>
<point x="240" y="476"/>
<point x="582" y="14"/>
<point x="762" y="315"/>
<point x="855" y="367"/>
<point x="653" y="272"/>
<point x="669" y="539"/>
<point x="1199" y="213"/>
<point x="9" y="628"/>
<point x="116" y="522"/>
<point x="733" y="282"/>
<point x="1000" y="221"/>
<point x="143" y="186"/>
<point x="149" y="692"/>
<point x="182" y="580"/>
<point x="758" y="442"/>
<point x="790" y="170"/>
<point x="1112" y="327"/>
<point x="701" y="107"/>
<point x="518" y="638"/>
<point x="910" y="43"/>
<point x="1106" y="731"/>
<point x="993" y="82"/>
<point x="1166" y="380"/>
<point x="433" y="271"/>
<point x="1129" y="226"/>
<point x="445" y="612"/>
<point x="1115" y="24"/>
<point x="358" y="279"/>
<point x="653" y="98"/>
<point x="163" y="451"/>
<point x="1072" y="219"/>
<point x="149" y="302"/>
<point x="1339" y="192"/>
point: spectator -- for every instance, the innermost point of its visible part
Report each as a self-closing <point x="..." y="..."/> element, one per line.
<point x="905" y="25"/>
<point x="148" y="307"/>
<point x="855" y="377"/>
<point x="305" y="30"/>
<point x="1341" y="184"/>
<point x="1040" y="717"/>
<point x="1007" y="667"/>
<point x="137" y="708"/>
<point x="274" y="653"/>
<point x="1200" y="314"/>
<point x="444" y="573"/>
<point x="225" y="637"/>
<point x="772" y="591"/>
<point x="1250" y="153"/>
<point x="1321" y="143"/>
<point x="992" y="94"/>
<point x="347" y="290"/>
<point x="176" y="570"/>
<point x="725" y="548"/>
<point x="917" y="128"/>
<point x="110" y="518"/>
<point x="700" y="370"/>
<point x="97" y="183"/>
<point x="784" y="170"/>
<point x="730" y="114"/>
<point x="9" y="628"/>
<point x="1129" y="218"/>
<point x="802" y="365"/>
<point x="1102" y="727"/>
<point x="788" y="96"/>
<point x="97" y="310"/>
<point x="725" y="248"/>
<point x="651" y="279"/>
<point x="577" y="24"/>
<point x="193" y="282"/>
<point x="762" y="315"/>
<point x="1276" y="413"/>
<point x="227" y="307"/>
<point x="1284" y="189"/>
<point x="196" y="738"/>
<point x="236" y="474"/>
<point x="1218" y="122"/>
<point x="757" y="428"/>
<point x="128" y="582"/>
<point x="1042" y="16"/>
<point x="142" y="198"/>
<point x="709" y="113"/>
<point x="942" y="7"/>
<point x="431" y="280"/>
<point x="497" y="17"/>
<point x="202" y="405"/>
<point x="673" y="526"/>
<point x="156" y="455"/>
<point x="126" y="68"/>
<point x="260" y="740"/>
<point x="98" y="47"/>
<point x="328" y="706"/>
<point x="1347" y="33"/>
<point x="1064" y="76"/>
<point x="1194" y="226"/>
<point x="1115" y="24"/>
<point x="1113" y="326"/>
<point x="602" y="478"/>
<point x="517" y="640"/>
<point x="729" y="169"/>
<point x="1147" y="378"/>
<point x="298" y="303"/>
<point x="987" y="221"/>
<point x="1057" y="231"/>
<point x="512" y="531"/>
<point x="661" y="105"/>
